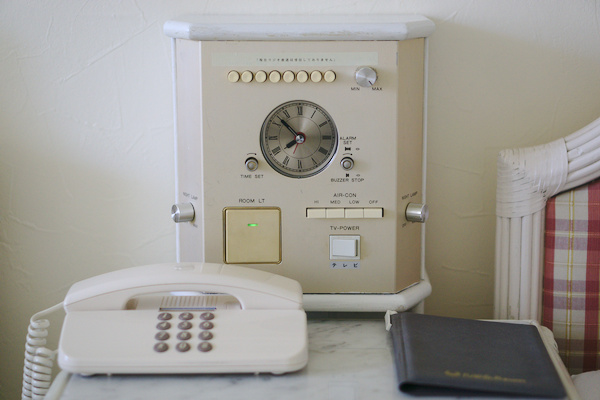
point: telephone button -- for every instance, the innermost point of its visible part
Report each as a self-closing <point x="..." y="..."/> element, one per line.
<point x="161" y="347"/>
<point x="185" y="325"/>
<point x="205" y="347"/>
<point x="205" y="335"/>
<point x="186" y="316"/>
<point x="207" y="316"/>
<point x="163" y="326"/>
<point x="182" y="347"/>
<point x="206" y="325"/>
<point x="162" y="336"/>
<point x="164" y="316"/>
<point x="185" y="335"/>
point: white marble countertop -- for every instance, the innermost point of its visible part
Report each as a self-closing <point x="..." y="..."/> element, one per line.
<point x="348" y="359"/>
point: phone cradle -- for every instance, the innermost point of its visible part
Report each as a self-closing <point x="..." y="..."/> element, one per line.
<point x="263" y="330"/>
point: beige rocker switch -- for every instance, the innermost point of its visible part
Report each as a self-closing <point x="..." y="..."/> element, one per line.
<point x="252" y="235"/>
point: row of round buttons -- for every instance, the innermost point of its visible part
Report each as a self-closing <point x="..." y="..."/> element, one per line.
<point x="276" y="76"/>
<point x="161" y="336"/>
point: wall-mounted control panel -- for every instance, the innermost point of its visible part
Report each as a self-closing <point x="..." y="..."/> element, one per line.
<point x="303" y="155"/>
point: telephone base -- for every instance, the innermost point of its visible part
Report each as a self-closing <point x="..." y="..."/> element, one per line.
<point x="201" y="342"/>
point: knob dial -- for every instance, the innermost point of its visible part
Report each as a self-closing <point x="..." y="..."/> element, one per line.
<point x="417" y="212"/>
<point x="366" y="76"/>
<point x="251" y="164"/>
<point x="183" y="212"/>
<point x="347" y="163"/>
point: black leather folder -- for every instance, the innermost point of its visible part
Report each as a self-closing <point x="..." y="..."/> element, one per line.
<point x="437" y="356"/>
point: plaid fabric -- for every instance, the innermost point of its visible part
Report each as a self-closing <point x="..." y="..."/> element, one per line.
<point x="571" y="276"/>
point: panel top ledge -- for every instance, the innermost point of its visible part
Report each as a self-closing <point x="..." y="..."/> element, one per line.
<point x="300" y="27"/>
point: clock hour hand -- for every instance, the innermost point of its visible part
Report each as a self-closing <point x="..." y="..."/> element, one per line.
<point x="290" y="144"/>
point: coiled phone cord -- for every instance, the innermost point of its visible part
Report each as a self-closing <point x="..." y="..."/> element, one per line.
<point x="37" y="372"/>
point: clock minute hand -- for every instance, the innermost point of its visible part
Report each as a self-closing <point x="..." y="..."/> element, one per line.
<point x="288" y="127"/>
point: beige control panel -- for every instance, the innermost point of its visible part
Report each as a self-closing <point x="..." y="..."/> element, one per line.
<point x="302" y="158"/>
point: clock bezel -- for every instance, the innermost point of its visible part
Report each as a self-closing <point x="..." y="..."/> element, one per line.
<point x="295" y="172"/>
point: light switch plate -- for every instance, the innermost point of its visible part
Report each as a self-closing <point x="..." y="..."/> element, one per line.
<point x="252" y="235"/>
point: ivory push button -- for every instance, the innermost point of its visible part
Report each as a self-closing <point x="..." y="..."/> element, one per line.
<point x="252" y="235"/>
<point x="344" y="247"/>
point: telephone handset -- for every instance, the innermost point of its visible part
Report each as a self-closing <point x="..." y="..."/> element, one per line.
<point x="232" y="320"/>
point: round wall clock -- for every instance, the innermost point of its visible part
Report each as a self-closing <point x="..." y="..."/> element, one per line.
<point x="299" y="139"/>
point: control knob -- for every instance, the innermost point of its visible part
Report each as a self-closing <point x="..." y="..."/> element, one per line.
<point x="347" y="163"/>
<point x="183" y="212"/>
<point x="366" y="76"/>
<point x="416" y="212"/>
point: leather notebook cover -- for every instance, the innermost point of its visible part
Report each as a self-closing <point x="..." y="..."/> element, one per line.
<point x="463" y="357"/>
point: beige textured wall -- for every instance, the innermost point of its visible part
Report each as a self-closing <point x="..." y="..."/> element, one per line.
<point x="86" y="164"/>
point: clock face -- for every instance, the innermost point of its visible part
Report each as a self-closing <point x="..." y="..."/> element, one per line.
<point x="298" y="139"/>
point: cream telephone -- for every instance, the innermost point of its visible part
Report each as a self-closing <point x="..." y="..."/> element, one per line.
<point x="223" y="319"/>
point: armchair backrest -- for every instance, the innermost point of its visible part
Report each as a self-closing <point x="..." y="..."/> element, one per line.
<point x="527" y="179"/>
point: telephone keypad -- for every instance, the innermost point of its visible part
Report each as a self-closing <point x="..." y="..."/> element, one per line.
<point x="184" y="335"/>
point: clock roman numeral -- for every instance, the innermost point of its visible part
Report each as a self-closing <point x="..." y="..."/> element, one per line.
<point x="286" y="161"/>
<point x="276" y="150"/>
<point x="323" y="124"/>
<point x="300" y="110"/>
<point x="323" y="150"/>
<point x="299" y="164"/>
<point x="286" y="113"/>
